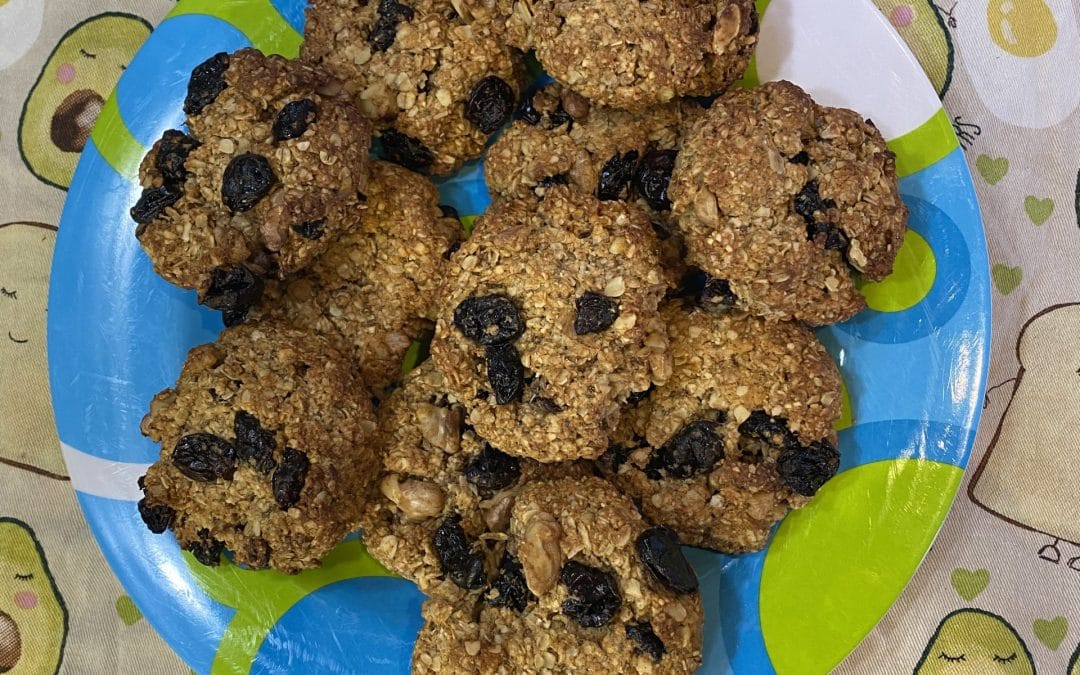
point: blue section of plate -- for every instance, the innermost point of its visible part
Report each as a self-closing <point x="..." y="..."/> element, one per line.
<point x="163" y="69"/>
<point x="118" y="334"/>
<point x="351" y="607"/>
<point x="154" y="574"/>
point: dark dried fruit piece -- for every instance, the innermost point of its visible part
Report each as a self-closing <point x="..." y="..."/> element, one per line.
<point x="312" y="229"/>
<point x="652" y="177"/>
<point x="510" y="589"/>
<point x="489" y="319"/>
<point x="527" y="111"/>
<point x="492" y="470"/>
<point x="247" y="179"/>
<point x="173" y="151"/>
<point x="809" y="202"/>
<point x="594" y="595"/>
<point x="764" y="427"/>
<point x="405" y="150"/>
<point x="207" y="81"/>
<point x="616" y="175"/>
<point x="560" y="117"/>
<point x="204" y="457"/>
<point x="800" y="157"/>
<point x="660" y="552"/>
<point x="551" y="181"/>
<point x="718" y="292"/>
<point x="157" y="517"/>
<point x="289" y="478"/>
<point x="384" y="30"/>
<point x="645" y="640"/>
<point x="505" y="373"/>
<point x="207" y="550"/>
<point x="233" y="291"/>
<point x="636" y="397"/>
<point x="693" y="451"/>
<point x="490" y="105"/>
<point x="293" y="119"/>
<point x="458" y="560"/>
<point x="253" y="442"/>
<point x="595" y="313"/>
<point x="152" y="202"/>
<point x="806" y="468"/>
<point x="828" y="235"/>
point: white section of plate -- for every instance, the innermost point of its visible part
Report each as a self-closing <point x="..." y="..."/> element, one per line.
<point x="870" y="75"/>
<point x="103" y="477"/>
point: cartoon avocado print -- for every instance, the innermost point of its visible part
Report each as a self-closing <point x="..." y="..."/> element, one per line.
<point x="1074" y="662"/>
<point x="924" y="30"/>
<point x="975" y="642"/>
<point x="28" y="435"/>
<point x="33" y="617"/>
<point x="71" y="90"/>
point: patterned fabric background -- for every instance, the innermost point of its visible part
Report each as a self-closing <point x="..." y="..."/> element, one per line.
<point x="999" y="589"/>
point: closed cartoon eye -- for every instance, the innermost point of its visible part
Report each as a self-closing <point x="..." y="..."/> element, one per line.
<point x="1005" y="659"/>
<point x="13" y="294"/>
<point x="24" y="577"/>
<point x="952" y="659"/>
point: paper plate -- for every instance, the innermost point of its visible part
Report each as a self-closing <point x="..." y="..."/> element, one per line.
<point x="914" y="366"/>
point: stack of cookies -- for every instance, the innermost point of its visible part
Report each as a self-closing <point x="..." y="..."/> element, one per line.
<point x="621" y="352"/>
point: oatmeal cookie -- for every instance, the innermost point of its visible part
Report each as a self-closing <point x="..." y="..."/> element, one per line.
<point x="787" y="200"/>
<point x="375" y="288"/>
<point x="549" y="321"/>
<point x="266" y="441"/>
<point x="586" y="586"/>
<point x="741" y="431"/>
<point x="637" y="54"/>
<point x="435" y="85"/>
<point x="443" y="508"/>
<point x="266" y="179"/>
<point x="559" y="138"/>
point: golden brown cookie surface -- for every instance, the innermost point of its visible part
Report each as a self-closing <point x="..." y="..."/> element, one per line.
<point x="267" y="442"/>
<point x="740" y="432"/>
<point x="587" y="586"/>
<point x="439" y="476"/>
<point x="787" y="200"/>
<point x="549" y="321"/>
<point x="637" y="54"/>
<point x="435" y="85"/>
<point x="267" y="178"/>
<point x="374" y="290"/>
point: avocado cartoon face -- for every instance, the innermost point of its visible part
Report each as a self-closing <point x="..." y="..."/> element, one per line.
<point x="925" y="31"/>
<point x="33" y="617"/>
<point x="71" y="90"/>
<point x="28" y="436"/>
<point x="974" y="642"/>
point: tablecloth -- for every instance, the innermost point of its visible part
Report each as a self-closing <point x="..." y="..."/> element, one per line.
<point x="999" y="591"/>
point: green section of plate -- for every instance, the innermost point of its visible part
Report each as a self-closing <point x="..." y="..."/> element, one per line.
<point x="261" y="598"/>
<point x="115" y="142"/>
<point x="750" y="77"/>
<point x="836" y="565"/>
<point x="256" y="19"/>
<point x="924" y="145"/>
